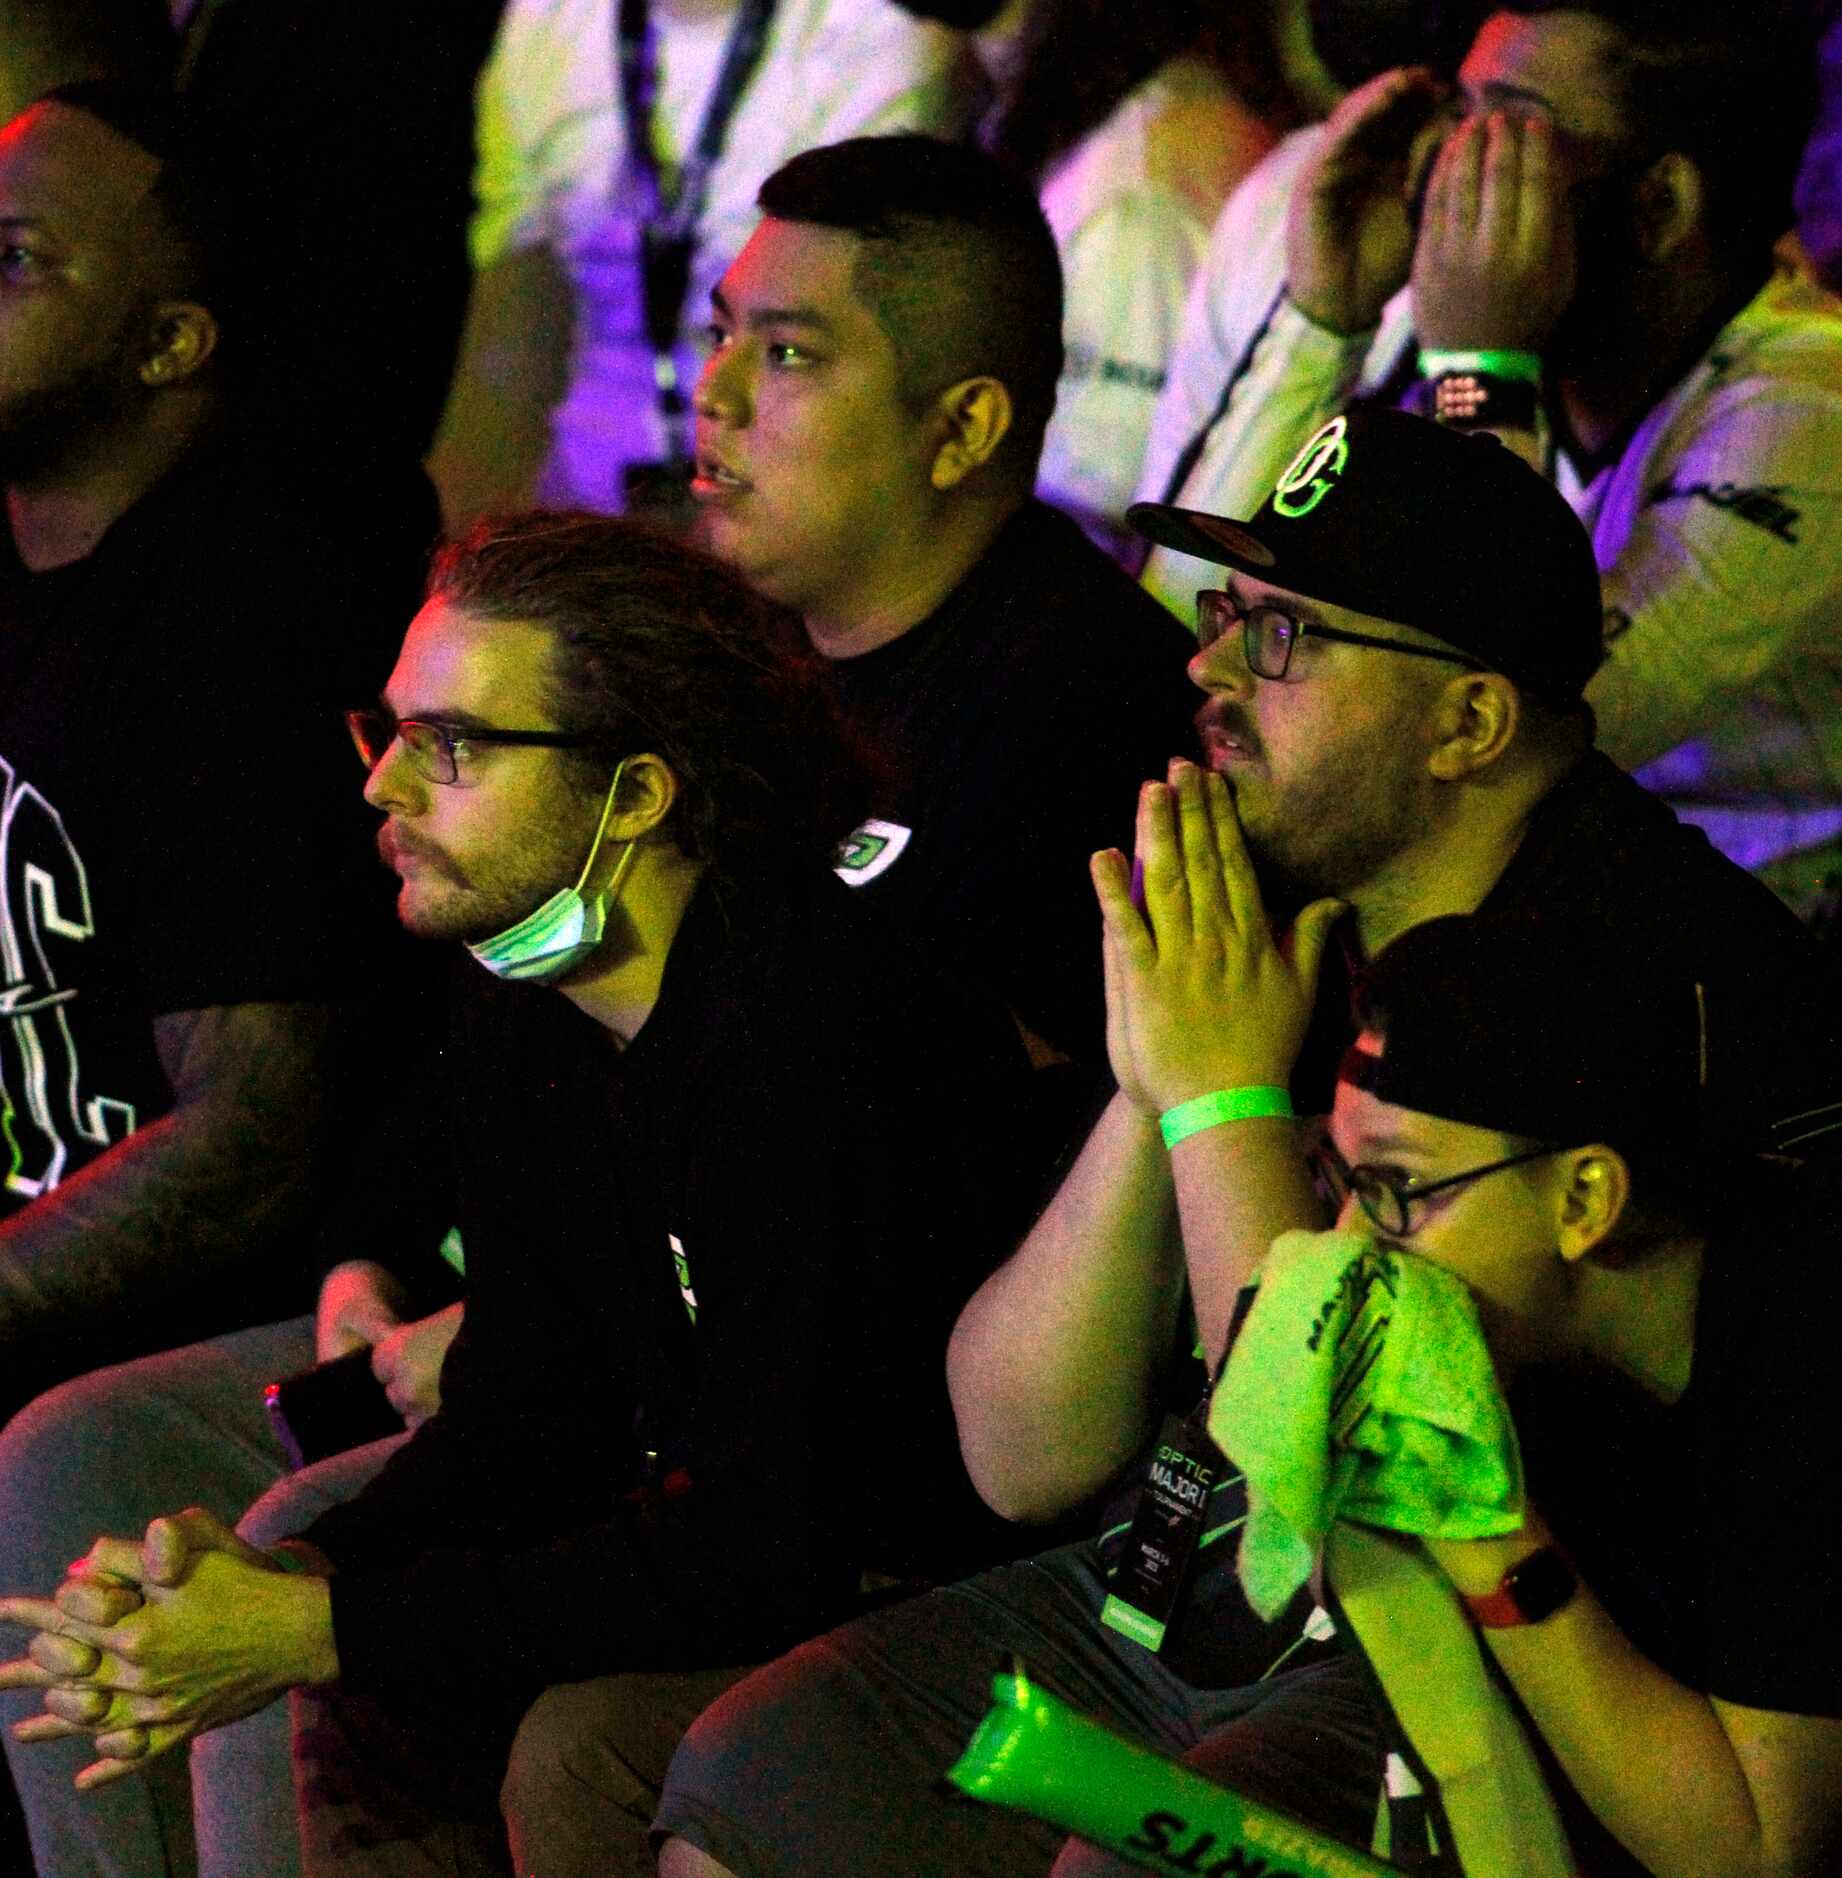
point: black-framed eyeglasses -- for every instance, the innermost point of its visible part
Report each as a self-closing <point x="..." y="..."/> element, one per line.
<point x="1269" y="634"/>
<point x="432" y="747"/>
<point x="1387" y="1198"/>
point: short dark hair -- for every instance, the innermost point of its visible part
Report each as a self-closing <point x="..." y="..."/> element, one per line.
<point x="51" y="42"/>
<point x="186" y="194"/>
<point x="661" y="648"/>
<point x="1732" y="87"/>
<point x="957" y="264"/>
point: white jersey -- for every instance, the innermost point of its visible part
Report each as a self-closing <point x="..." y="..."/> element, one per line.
<point x="1719" y="539"/>
<point x="1131" y="206"/>
<point x="551" y="147"/>
<point x="1249" y="372"/>
<point x="1718" y="530"/>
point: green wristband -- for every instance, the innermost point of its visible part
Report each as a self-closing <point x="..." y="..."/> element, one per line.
<point x="1522" y="368"/>
<point x="1222" y="1105"/>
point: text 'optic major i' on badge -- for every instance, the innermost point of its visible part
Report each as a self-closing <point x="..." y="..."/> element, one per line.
<point x="1166" y="1523"/>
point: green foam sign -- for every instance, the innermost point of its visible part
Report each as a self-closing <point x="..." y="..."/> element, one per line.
<point x="1039" y="1755"/>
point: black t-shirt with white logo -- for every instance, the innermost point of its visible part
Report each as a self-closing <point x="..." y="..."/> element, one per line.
<point x="181" y="824"/>
<point x="1012" y="729"/>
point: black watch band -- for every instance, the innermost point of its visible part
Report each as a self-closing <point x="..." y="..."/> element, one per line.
<point x="1532" y="1590"/>
<point x="1483" y="401"/>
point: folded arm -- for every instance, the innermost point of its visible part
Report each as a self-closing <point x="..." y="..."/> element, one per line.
<point x="189" y="1195"/>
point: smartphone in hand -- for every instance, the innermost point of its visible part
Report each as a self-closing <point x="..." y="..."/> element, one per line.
<point x="330" y="1408"/>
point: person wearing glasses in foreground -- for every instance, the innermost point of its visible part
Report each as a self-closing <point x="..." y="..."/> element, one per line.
<point x="730" y="1160"/>
<point x="1392" y="674"/>
<point x="1658" y="1306"/>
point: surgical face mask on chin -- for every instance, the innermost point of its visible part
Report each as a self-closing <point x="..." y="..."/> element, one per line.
<point x="561" y="933"/>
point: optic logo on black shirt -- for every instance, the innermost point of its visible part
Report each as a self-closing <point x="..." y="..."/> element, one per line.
<point x="871" y="850"/>
<point x="682" y="1266"/>
<point x="44" y="910"/>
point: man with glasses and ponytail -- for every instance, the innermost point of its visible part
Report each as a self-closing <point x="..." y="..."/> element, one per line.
<point x="1392" y="667"/>
<point x="730" y="1159"/>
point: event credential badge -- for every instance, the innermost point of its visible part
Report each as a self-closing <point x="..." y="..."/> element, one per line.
<point x="1166" y="1523"/>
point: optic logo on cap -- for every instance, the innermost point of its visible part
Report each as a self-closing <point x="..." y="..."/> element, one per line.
<point x="870" y="850"/>
<point x="1313" y="473"/>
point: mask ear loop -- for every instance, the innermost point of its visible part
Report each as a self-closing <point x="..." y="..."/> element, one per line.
<point x="594" y="847"/>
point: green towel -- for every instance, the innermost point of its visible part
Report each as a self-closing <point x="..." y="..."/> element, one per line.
<point x="1360" y="1388"/>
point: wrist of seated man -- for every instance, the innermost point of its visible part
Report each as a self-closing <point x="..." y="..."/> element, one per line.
<point x="300" y="1557"/>
<point x="1250" y="1102"/>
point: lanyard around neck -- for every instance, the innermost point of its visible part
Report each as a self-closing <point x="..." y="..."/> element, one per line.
<point x="674" y="198"/>
<point x="677" y="197"/>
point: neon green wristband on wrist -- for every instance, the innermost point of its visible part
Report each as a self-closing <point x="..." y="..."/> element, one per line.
<point x="1523" y="368"/>
<point x="1223" y="1105"/>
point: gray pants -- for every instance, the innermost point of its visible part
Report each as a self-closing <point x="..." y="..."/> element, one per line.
<point x="244" y="1797"/>
<point x="575" y="1799"/>
<point x="107" y="1453"/>
<point x="828" y="1763"/>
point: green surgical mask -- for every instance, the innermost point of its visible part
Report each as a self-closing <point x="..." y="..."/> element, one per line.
<point x="562" y="932"/>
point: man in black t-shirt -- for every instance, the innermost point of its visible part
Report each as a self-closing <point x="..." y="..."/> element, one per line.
<point x="868" y="429"/>
<point x="1660" y="1308"/>
<point x="1393" y="722"/>
<point x="730" y="1159"/>
<point x="183" y="891"/>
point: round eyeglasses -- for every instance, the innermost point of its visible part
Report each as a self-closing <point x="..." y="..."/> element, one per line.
<point x="436" y="751"/>
<point x="1387" y="1198"/>
<point x="1268" y="635"/>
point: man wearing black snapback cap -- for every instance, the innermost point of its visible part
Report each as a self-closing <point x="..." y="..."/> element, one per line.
<point x="1660" y="1311"/>
<point x="1395" y="732"/>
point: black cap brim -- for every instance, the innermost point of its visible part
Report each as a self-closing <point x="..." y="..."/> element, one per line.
<point x="1207" y="537"/>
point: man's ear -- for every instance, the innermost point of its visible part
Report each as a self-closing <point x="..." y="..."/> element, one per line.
<point x="181" y="336"/>
<point x="1668" y="205"/>
<point x="975" y="417"/>
<point x="1594" y="1196"/>
<point x="1475" y="721"/>
<point x="648" y="788"/>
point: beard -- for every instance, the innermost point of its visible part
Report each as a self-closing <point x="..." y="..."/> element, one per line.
<point x="41" y="427"/>
<point x="439" y="899"/>
<point x="1607" y="264"/>
<point x="1296" y="866"/>
<point x="1332" y="828"/>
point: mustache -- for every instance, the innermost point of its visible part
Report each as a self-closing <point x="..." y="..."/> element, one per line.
<point x="1221" y="719"/>
<point x="394" y="846"/>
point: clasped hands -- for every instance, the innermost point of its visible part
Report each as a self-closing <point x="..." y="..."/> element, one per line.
<point x="1473" y="212"/>
<point x="145" y="1646"/>
<point x="1201" y="994"/>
